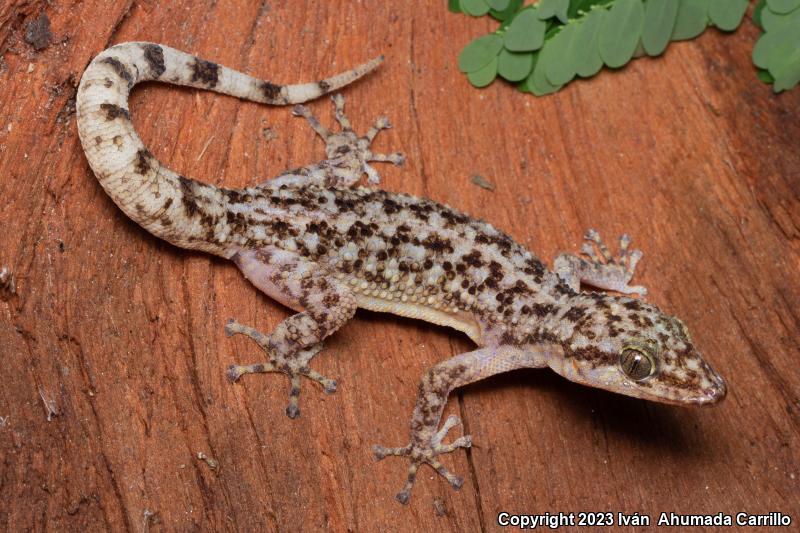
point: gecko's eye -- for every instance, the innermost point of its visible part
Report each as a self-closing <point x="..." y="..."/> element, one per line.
<point x="637" y="362"/>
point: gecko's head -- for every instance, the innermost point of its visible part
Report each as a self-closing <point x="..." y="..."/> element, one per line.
<point x="630" y="347"/>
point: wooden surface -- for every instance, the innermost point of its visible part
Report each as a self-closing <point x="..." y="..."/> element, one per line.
<point x="117" y="337"/>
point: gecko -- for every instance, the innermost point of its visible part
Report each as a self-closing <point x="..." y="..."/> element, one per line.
<point x="322" y="243"/>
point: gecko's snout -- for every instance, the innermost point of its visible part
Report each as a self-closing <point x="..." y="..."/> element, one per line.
<point x="717" y="392"/>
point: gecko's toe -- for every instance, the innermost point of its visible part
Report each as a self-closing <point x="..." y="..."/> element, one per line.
<point x="426" y="454"/>
<point x="377" y="452"/>
<point x="403" y="496"/>
<point x="292" y="411"/>
<point x="329" y="387"/>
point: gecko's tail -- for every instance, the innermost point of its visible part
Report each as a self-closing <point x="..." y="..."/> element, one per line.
<point x="159" y="62"/>
<point x="178" y="209"/>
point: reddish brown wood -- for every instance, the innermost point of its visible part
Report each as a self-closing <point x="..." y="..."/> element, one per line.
<point x="122" y="335"/>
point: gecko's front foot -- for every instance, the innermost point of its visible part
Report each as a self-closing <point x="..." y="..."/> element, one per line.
<point x="294" y="365"/>
<point x="348" y="148"/>
<point x="419" y="452"/>
<point x="603" y="271"/>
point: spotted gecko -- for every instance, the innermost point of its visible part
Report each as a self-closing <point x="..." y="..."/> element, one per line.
<point x="315" y="240"/>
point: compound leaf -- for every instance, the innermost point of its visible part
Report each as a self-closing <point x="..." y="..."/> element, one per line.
<point x="526" y="32"/>
<point x="537" y="80"/>
<point x="783" y="6"/>
<point x="589" y="62"/>
<point x="775" y="47"/>
<point x="485" y="75"/>
<point x="772" y="21"/>
<point x="727" y="14"/>
<point x="620" y="32"/>
<point x="692" y="19"/>
<point x="563" y="65"/>
<point x="787" y="73"/>
<point x="554" y="8"/>
<point x="498" y="5"/>
<point x="478" y="53"/>
<point x="514" y="66"/>
<point x="659" y="21"/>
<point x="476" y="8"/>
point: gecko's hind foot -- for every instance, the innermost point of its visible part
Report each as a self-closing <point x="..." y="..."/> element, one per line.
<point x="601" y="270"/>
<point x="346" y="146"/>
<point x="420" y="453"/>
<point x="295" y="366"/>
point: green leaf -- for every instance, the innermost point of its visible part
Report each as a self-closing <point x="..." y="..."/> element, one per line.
<point x="779" y="52"/>
<point x="485" y="75"/>
<point x="727" y="14"/>
<point x="514" y="66"/>
<point x="783" y="6"/>
<point x="692" y="19"/>
<point x="775" y="47"/>
<point x="620" y="32"/>
<point x="454" y="6"/>
<point x="588" y="63"/>
<point x="476" y="8"/>
<point x="507" y="13"/>
<point x="554" y="8"/>
<point x="498" y="5"/>
<point x="526" y="32"/>
<point x="479" y="53"/>
<point x="772" y="21"/>
<point x="537" y="81"/>
<point x="787" y="74"/>
<point x="659" y="21"/>
<point x="563" y="67"/>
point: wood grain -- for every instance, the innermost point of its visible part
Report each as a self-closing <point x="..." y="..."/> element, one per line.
<point x="121" y="335"/>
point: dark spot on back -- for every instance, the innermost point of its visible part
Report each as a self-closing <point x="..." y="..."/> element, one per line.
<point x="142" y="164"/>
<point x="206" y="72"/>
<point x="236" y="197"/>
<point x="154" y="55"/>
<point x="114" y="111"/>
<point x="575" y="313"/>
<point x="324" y="86"/>
<point x="119" y="68"/>
<point x="270" y="90"/>
<point x="189" y="199"/>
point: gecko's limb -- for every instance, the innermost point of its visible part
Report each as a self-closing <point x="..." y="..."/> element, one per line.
<point x="601" y="271"/>
<point x="426" y="441"/>
<point x="348" y="154"/>
<point x="326" y="305"/>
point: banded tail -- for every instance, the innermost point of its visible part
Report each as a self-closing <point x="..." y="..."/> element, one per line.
<point x="178" y="209"/>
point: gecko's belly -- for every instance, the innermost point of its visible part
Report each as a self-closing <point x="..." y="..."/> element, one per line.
<point x="463" y="322"/>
